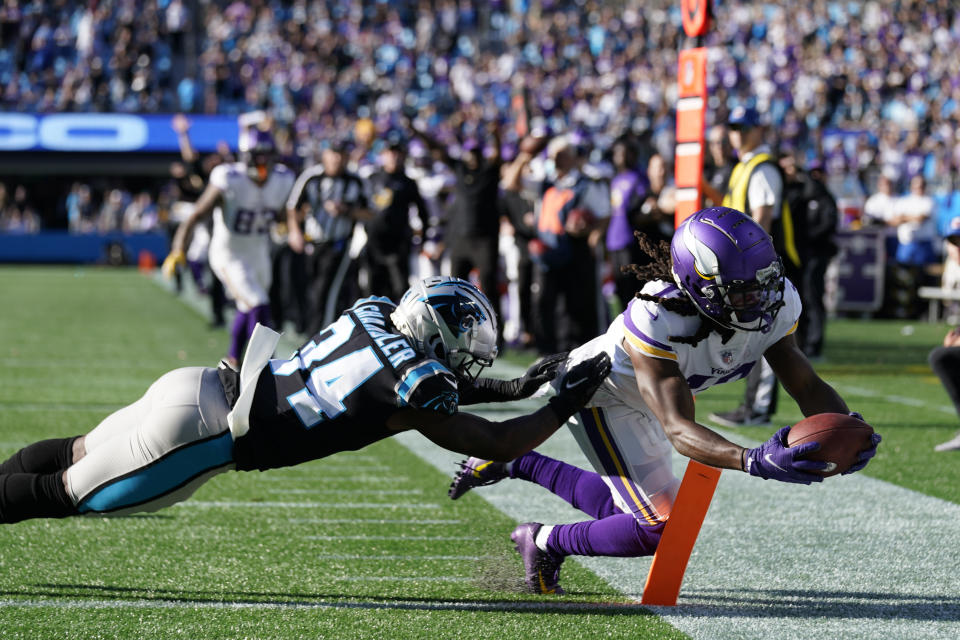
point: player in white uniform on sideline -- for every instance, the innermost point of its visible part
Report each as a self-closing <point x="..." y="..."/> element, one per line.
<point x="710" y="307"/>
<point x="245" y="199"/>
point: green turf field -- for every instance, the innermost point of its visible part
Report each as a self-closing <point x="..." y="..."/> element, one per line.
<point x="360" y="545"/>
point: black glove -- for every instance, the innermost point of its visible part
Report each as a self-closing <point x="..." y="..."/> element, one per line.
<point x="578" y="385"/>
<point x="493" y="390"/>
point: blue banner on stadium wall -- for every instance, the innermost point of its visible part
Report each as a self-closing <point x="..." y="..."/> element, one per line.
<point x="110" y="132"/>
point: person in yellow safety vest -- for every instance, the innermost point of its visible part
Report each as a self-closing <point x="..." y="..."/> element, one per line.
<point x="756" y="188"/>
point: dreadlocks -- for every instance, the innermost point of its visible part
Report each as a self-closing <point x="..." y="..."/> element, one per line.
<point x="659" y="266"/>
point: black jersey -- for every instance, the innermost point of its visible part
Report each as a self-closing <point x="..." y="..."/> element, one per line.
<point x="337" y="391"/>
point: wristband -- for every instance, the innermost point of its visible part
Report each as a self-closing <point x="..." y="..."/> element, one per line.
<point x="563" y="407"/>
<point x="487" y="390"/>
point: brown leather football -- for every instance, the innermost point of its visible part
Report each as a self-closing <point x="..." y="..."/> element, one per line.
<point x="841" y="439"/>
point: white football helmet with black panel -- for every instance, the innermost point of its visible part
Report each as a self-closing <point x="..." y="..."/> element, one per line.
<point x="451" y="320"/>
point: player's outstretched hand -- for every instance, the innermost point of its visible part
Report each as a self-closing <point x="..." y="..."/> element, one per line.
<point x="579" y="384"/>
<point x="773" y="460"/>
<point x="173" y="259"/>
<point x="543" y="370"/>
<point x="865" y="455"/>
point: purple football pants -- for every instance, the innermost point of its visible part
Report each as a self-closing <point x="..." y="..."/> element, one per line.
<point x="611" y="533"/>
<point x="243" y="325"/>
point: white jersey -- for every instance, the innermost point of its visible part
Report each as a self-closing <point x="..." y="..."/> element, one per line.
<point x="241" y="224"/>
<point x="647" y="327"/>
<point x="618" y="433"/>
<point x="240" y="243"/>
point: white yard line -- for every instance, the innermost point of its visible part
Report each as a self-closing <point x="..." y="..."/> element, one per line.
<point x="391" y="522"/>
<point x="375" y="558"/>
<point x="235" y="504"/>
<point x="200" y="603"/>
<point x="341" y="492"/>
<point x="848" y="390"/>
<point x="854" y="557"/>
<point x="394" y="538"/>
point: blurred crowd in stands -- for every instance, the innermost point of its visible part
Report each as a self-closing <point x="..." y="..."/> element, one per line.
<point x="868" y="93"/>
<point x="884" y="72"/>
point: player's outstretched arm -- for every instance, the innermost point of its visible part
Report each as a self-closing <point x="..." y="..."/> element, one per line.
<point x="476" y="436"/>
<point x="812" y="394"/>
<point x="492" y="390"/>
<point x="181" y="239"/>
<point x="666" y="392"/>
<point x="798" y="377"/>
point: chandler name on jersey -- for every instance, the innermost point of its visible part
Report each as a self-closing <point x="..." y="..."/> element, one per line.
<point x="337" y="391"/>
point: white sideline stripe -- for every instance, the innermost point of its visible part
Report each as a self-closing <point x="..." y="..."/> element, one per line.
<point x="345" y="471"/>
<point x="232" y="504"/>
<point x="370" y="521"/>
<point x="365" y="556"/>
<point x="340" y="492"/>
<point x="853" y="557"/>
<point x="328" y="479"/>
<point x="911" y="402"/>
<point x="395" y="538"/>
<point x="69" y="603"/>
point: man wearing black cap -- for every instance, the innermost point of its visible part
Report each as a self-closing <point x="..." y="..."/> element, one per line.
<point x="389" y="235"/>
<point x="331" y="200"/>
<point x="756" y="188"/>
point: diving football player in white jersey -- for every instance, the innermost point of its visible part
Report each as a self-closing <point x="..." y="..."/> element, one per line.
<point x="245" y="199"/>
<point x="711" y="305"/>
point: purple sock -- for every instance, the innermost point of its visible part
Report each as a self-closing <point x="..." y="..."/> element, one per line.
<point x="620" y="535"/>
<point x="238" y="335"/>
<point x="259" y="314"/>
<point x="583" y="489"/>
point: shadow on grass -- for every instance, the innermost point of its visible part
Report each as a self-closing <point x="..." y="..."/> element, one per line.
<point x="712" y="603"/>
<point x="811" y="603"/>
<point x="160" y="598"/>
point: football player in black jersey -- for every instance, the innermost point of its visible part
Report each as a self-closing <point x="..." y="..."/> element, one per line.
<point x="379" y="369"/>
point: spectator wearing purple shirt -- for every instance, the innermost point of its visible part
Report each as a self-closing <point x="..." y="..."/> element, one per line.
<point x="628" y="189"/>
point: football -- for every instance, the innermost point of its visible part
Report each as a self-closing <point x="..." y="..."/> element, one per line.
<point x="841" y="438"/>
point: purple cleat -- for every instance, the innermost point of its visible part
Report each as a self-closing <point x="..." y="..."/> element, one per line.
<point x="476" y="472"/>
<point x="542" y="568"/>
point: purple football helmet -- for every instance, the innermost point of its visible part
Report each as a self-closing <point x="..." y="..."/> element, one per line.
<point x="726" y="264"/>
<point x="258" y="153"/>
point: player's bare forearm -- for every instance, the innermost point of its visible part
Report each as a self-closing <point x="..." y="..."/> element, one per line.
<point x="666" y="392"/>
<point x="672" y="403"/>
<point x="473" y="435"/>
<point x="798" y="377"/>
<point x="204" y="207"/>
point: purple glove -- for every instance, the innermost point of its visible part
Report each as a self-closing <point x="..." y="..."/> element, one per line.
<point x="773" y="460"/>
<point x="865" y="455"/>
